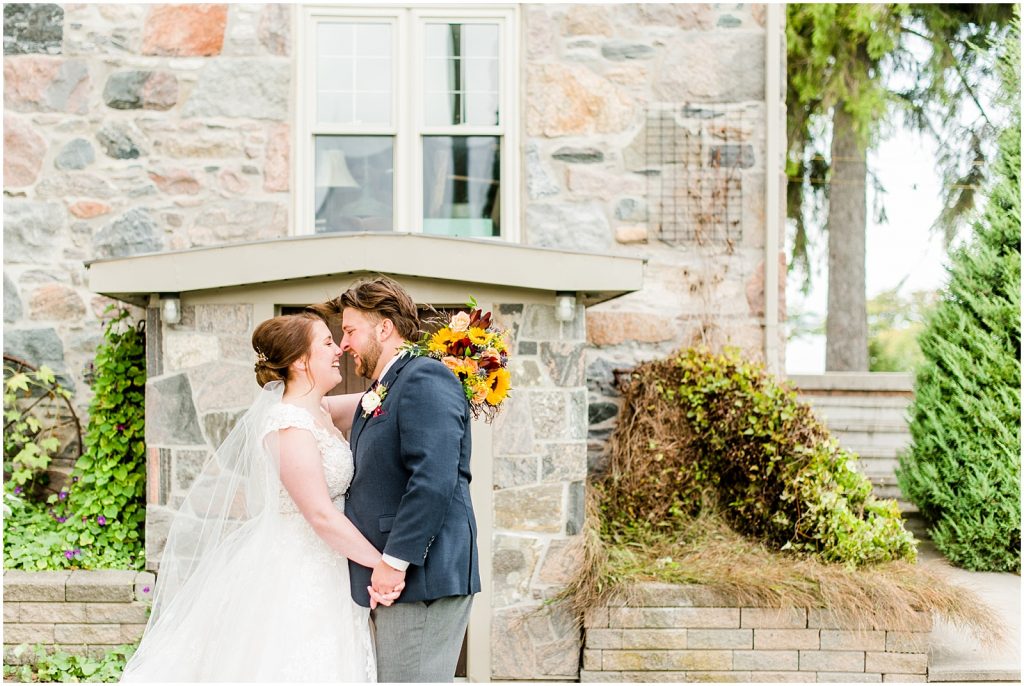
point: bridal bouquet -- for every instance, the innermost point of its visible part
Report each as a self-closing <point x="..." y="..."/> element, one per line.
<point x="474" y="348"/>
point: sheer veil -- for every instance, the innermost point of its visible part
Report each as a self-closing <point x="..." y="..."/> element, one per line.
<point x="231" y="507"/>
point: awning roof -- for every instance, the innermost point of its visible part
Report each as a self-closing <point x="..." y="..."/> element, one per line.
<point x="594" y="277"/>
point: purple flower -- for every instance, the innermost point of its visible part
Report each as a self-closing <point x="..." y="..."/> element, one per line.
<point x="120" y="427"/>
<point x="69" y="554"/>
<point x="145" y="589"/>
<point x="74" y="480"/>
<point x="62" y="519"/>
<point x="62" y="495"/>
<point x="17" y="490"/>
<point x="101" y="520"/>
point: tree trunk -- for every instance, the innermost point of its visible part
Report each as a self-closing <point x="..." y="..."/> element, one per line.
<point x="846" y="328"/>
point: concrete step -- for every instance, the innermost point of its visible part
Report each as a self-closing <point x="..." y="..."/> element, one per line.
<point x="957" y="656"/>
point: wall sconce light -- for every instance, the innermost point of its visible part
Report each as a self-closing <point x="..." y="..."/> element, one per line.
<point x="565" y="306"/>
<point x="170" y="308"/>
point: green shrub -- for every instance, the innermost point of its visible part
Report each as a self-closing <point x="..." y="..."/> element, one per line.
<point x="703" y="430"/>
<point x="963" y="467"/>
<point x="62" y="667"/>
<point x="98" y="522"/>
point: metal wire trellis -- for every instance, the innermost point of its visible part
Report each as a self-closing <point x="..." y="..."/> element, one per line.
<point x="694" y="160"/>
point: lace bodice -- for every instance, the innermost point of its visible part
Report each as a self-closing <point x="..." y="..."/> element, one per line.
<point x="335" y="454"/>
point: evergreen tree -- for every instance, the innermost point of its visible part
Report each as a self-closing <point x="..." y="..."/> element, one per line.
<point x="963" y="467"/>
<point x="843" y="63"/>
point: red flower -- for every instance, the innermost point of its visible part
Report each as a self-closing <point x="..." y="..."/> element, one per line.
<point x="490" y="361"/>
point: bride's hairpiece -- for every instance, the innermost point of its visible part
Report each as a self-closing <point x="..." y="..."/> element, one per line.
<point x="260" y="357"/>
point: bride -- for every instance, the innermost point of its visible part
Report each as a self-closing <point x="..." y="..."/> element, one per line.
<point x="254" y="583"/>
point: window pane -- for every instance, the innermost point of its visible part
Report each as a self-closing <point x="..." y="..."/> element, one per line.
<point x="373" y="107"/>
<point x="440" y="107"/>
<point x="374" y="74"/>
<point x="482" y="108"/>
<point x="461" y="61"/>
<point x="481" y="75"/>
<point x="353" y="61"/>
<point x="335" y="107"/>
<point x="335" y="39"/>
<point x="441" y="74"/>
<point x="354" y="179"/>
<point x="438" y="39"/>
<point x="373" y="40"/>
<point x="480" y="40"/>
<point x="336" y="73"/>
<point x="461" y="184"/>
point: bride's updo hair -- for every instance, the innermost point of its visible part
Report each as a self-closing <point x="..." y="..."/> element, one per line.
<point x="280" y="341"/>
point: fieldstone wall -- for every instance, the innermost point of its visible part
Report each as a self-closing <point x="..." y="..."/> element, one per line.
<point x="82" y="612"/>
<point x="200" y="382"/>
<point x="593" y="73"/>
<point x="683" y="633"/>
<point x="540" y="465"/>
<point x="130" y="129"/>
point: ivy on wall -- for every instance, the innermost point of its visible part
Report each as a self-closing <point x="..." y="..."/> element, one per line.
<point x="98" y="522"/>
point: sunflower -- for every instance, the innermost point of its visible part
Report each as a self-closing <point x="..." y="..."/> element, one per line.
<point x="478" y="336"/>
<point x="499" y="382"/>
<point x="440" y="340"/>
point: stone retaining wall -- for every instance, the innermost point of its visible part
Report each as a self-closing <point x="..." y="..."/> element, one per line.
<point x="681" y="634"/>
<point x="80" y="612"/>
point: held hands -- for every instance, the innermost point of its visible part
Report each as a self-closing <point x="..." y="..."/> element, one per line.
<point x="385" y="599"/>
<point x="386" y="584"/>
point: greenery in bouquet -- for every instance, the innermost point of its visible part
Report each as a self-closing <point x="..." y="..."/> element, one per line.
<point x="473" y="347"/>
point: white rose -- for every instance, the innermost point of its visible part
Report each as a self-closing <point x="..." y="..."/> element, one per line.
<point x="460" y="322"/>
<point x="370" y="402"/>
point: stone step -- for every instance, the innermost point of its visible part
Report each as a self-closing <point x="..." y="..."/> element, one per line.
<point x="882" y="425"/>
<point x="865" y="402"/>
<point x="958" y="675"/>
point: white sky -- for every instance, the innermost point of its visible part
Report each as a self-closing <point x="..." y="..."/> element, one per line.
<point x="904" y="247"/>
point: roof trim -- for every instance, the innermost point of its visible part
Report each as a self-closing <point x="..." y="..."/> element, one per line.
<point x="596" y="277"/>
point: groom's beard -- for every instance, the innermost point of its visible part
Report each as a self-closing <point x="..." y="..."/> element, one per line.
<point x="366" y="364"/>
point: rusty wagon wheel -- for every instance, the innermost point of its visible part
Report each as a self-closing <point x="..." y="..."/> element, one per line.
<point x="56" y="418"/>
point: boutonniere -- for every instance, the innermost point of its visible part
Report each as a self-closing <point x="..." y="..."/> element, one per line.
<point x="372" y="401"/>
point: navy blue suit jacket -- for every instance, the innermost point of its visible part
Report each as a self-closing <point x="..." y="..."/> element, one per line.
<point x="410" y="492"/>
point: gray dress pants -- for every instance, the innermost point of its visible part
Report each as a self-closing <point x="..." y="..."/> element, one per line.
<point x="421" y="641"/>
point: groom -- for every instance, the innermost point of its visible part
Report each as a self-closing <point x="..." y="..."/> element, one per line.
<point x="410" y="493"/>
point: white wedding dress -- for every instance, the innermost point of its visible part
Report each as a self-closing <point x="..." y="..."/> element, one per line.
<point x="268" y="600"/>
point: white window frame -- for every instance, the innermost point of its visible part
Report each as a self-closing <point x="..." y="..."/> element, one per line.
<point x="407" y="107"/>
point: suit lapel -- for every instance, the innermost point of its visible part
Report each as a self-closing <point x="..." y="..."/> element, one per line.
<point x="359" y="422"/>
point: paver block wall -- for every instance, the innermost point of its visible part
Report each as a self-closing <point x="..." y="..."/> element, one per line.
<point x="83" y="612"/>
<point x="684" y="633"/>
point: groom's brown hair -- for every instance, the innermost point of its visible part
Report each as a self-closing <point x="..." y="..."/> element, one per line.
<point x="380" y="298"/>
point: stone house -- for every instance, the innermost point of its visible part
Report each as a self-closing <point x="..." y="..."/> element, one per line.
<point x="606" y="178"/>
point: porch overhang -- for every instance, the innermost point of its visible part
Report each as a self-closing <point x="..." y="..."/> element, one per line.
<point x="592" y="277"/>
